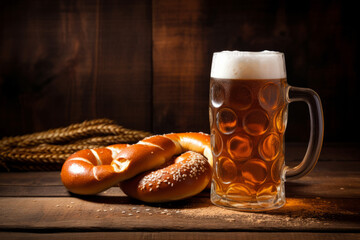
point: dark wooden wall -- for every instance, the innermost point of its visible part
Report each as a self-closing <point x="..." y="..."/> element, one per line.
<point x="146" y="64"/>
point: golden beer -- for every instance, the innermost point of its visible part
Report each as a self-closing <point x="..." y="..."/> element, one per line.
<point x="248" y="120"/>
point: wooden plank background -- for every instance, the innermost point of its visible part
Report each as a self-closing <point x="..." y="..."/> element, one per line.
<point x="146" y="64"/>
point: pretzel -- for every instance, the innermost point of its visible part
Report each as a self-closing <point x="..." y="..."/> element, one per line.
<point x="91" y="171"/>
<point x="183" y="177"/>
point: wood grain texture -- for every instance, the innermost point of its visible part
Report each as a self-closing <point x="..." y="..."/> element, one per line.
<point x="54" y="214"/>
<point x="124" y="60"/>
<point x="184" y="235"/>
<point x="324" y="201"/>
<point x="180" y="67"/>
<point x="186" y="33"/>
<point x="67" y="61"/>
<point x="146" y="64"/>
<point x="74" y="214"/>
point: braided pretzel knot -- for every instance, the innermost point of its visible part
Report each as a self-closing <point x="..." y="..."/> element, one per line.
<point x="91" y="171"/>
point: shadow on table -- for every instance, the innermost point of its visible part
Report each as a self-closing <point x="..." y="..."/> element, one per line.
<point x="198" y="201"/>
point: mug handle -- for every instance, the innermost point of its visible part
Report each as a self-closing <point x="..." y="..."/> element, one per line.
<point x="295" y="94"/>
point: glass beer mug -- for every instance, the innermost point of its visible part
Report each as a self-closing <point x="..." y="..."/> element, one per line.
<point x="248" y="106"/>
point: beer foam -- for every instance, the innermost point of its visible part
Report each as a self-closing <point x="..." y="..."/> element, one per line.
<point x="248" y="65"/>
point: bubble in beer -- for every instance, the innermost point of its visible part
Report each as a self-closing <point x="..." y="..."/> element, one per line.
<point x="216" y="143"/>
<point x="254" y="171"/>
<point x="241" y="96"/>
<point x="240" y="147"/>
<point x="217" y="95"/>
<point x="226" y="120"/>
<point x="267" y="193"/>
<point x="238" y="192"/>
<point x="227" y="170"/>
<point x="269" y="96"/>
<point x="270" y="147"/>
<point x="256" y="122"/>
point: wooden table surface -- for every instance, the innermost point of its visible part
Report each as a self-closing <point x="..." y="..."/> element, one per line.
<point x="322" y="205"/>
